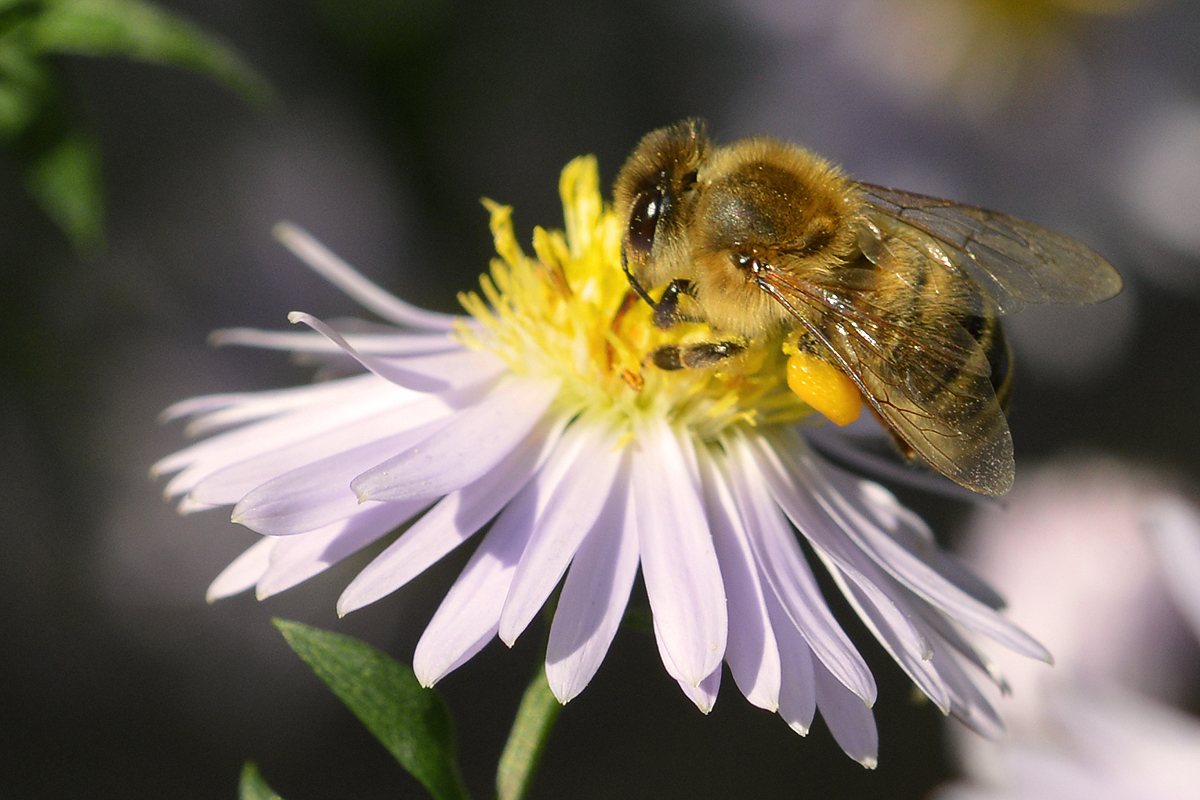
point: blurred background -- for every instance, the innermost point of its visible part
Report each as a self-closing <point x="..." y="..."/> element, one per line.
<point x="392" y="119"/>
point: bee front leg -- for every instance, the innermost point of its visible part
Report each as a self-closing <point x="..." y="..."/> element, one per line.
<point x="694" y="356"/>
<point x="667" y="312"/>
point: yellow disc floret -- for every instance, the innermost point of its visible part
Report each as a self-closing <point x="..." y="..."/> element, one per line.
<point x="824" y="387"/>
<point x="567" y="312"/>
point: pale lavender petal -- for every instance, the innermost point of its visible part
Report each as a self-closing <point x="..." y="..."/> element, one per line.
<point x="380" y="344"/>
<point x="322" y="261"/>
<point x="786" y="571"/>
<point x="594" y="596"/>
<point x="573" y="489"/>
<point x="295" y="559"/>
<point x="900" y="563"/>
<point x="797" y="690"/>
<point x="234" y="408"/>
<point x="397" y="370"/>
<point x="243" y="572"/>
<point x="479" y="439"/>
<point x="317" y="494"/>
<point x="833" y="546"/>
<point x="232" y="483"/>
<point x="679" y="564"/>
<point x="969" y="705"/>
<point x="916" y="663"/>
<point x="200" y="460"/>
<point x="848" y="717"/>
<point x="942" y="628"/>
<point x="452" y="521"/>
<point x="751" y="652"/>
<point x="1173" y="528"/>
<point x="907" y="528"/>
<point x="189" y="506"/>
<point x="704" y="695"/>
<point x="470" y="614"/>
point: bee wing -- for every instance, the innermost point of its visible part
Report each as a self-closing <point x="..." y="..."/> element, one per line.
<point x="1014" y="262"/>
<point x="927" y="378"/>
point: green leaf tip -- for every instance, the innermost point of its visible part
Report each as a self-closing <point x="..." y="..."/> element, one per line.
<point x="253" y="787"/>
<point x="66" y="180"/>
<point x="409" y="720"/>
<point x="141" y="31"/>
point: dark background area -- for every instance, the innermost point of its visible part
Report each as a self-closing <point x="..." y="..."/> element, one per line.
<point x="117" y="680"/>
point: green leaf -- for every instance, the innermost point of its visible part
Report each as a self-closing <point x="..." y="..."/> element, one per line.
<point x="409" y="720"/>
<point x="253" y="787"/>
<point x="65" y="178"/>
<point x="139" y="30"/>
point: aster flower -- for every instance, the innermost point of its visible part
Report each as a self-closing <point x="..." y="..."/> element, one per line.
<point x="533" y="414"/>
<point x="1123" y="549"/>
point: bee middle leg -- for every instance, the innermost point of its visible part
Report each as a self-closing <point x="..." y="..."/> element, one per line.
<point x="671" y="357"/>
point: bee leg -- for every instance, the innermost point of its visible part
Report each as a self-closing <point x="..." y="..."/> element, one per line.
<point x="667" y="313"/>
<point x="671" y="357"/>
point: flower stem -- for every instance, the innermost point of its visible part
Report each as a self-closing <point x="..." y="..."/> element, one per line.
<point x="531" y="730"/>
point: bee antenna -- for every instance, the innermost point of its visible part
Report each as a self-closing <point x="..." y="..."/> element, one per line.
<point x="633" y="282"/>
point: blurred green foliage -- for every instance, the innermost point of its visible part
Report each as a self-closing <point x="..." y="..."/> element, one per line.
<point x="60" y="159"/>
<point x="253" y="787"/>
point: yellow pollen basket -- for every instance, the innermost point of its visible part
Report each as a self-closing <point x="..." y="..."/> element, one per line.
<point x="824" y="387"/>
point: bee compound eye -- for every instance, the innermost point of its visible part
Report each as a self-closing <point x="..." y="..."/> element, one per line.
<point x="648" y="208"/>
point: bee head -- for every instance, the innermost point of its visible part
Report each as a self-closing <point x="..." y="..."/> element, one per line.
<point x="655" y="198"/>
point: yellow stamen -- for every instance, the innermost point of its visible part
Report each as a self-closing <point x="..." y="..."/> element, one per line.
<point x="824" y="387"/>
<point x="562" y="313"/>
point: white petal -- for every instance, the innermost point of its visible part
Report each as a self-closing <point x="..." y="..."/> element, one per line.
<point x="914" y="660"/>
<point x="797" y="690"/>
<point x="379" y="344"/>
<point x="940" y="627"/>
<point x="968" y="704"/>
<point x="848" y="717"/>
<point x="833" y="546"/>
<point x="317" y="494"/>
<point x="361" y="399"/>
<point x="572" y="489"/>
<point x="397" y="370"/>
<point x="594" y="597"/>
<point x="704" y="695"/>
<point x="451" y="522"/>
<point x="785" y="568"/>
<point x="295" y="559"/>
<point x="751" y="652"/>
<point x="470" y="614"/>
<point x="907" y="528"/>
<point x="479" y="438"/>
<point x="244" y="571"/>
<point x="232" y="483"/>
<point x="903" y="565"/>
<point x="223" y="410"/>
<point x="322" y="261"/>
<point x="679" y="564"/>
<point x="1173" y="529"/>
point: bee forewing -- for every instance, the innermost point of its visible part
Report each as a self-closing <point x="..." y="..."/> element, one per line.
<point x="1014" y="262"/>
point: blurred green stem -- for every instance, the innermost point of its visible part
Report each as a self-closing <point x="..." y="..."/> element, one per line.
<point x="531" y="730"/>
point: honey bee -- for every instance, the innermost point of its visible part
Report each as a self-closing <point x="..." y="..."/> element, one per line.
<point x="897" y="294"/>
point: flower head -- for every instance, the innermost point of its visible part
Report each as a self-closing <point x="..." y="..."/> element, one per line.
<point x="534" y="414"/>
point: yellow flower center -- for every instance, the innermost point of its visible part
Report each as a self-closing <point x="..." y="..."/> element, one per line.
<point x="567" y="312"/>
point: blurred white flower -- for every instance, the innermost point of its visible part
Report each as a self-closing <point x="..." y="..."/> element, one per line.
<point x="532" y="415"/>
<point x="1104" y="563"/>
